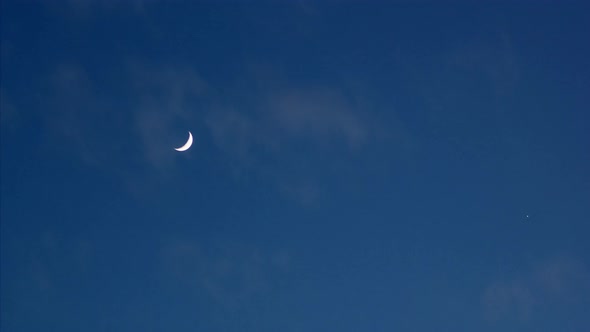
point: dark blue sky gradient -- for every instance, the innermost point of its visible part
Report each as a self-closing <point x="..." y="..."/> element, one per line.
<point x="356" y="166"/>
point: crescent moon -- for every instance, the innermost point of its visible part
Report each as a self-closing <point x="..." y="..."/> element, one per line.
<point x="186" y="145"/>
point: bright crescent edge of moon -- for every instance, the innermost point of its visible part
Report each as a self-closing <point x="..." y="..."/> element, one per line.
<point x="186" y="145"/>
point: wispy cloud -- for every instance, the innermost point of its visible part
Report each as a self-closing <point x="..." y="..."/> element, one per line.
<point x="75" y="114"/>
<point x="480" y="75"/>
<point x="492" y="63"/>
<point x="283" y="116"/>
<point x="164" y="100"/>
<point x="320" y="114"/>
<point x="234" y="132"/>
<point x="511" y="298"/>
<point x="46" y="257"/>
<point x="231" y="275"/>
<point x="268" y="127"/>
<point x="554" y="282"/>
<point x="90" y="120"/>
<point x="267" y="132"/>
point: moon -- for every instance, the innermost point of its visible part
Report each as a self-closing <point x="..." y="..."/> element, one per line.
<point x="186" y="145"/>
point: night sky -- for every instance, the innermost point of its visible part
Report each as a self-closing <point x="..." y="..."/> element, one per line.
<point x="355" y="167"/>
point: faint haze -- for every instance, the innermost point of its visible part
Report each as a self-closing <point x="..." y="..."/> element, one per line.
<point x="356" y="166"/>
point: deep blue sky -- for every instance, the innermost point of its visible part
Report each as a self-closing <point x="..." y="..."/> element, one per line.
<point x="356" y="167"/>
